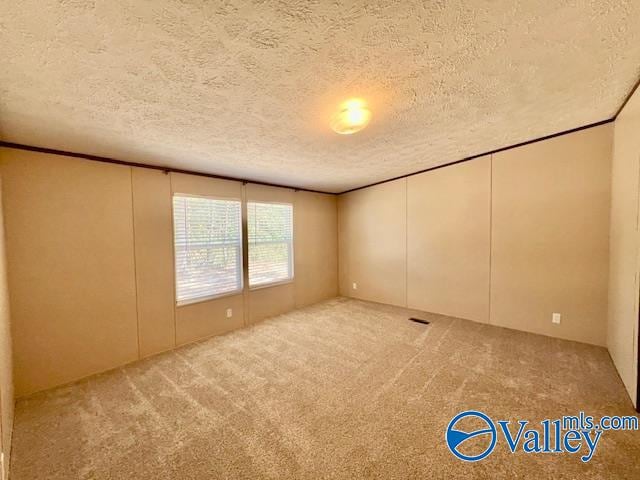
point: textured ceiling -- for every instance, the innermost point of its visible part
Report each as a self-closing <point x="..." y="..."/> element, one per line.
<point x="246" y="88"/>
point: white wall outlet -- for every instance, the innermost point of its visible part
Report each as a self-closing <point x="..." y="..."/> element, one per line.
<point x="355" y="286"/>
<point x="555" y="318"/>
<point x="229" y="312"/>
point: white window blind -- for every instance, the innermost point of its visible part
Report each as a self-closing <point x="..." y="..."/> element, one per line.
<point x="208" y="247"/>
<point x="270" y="231"/>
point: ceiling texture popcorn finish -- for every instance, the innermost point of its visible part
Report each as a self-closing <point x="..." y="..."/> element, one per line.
<point x="247" y="88"/>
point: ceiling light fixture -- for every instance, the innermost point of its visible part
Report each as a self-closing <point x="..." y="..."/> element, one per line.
<point x="352" y="117"/>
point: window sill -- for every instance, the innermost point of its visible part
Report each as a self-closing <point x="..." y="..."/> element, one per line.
<point x="272" y="284"/>
<point x="262" y="286"/>
<point x="193" y="301"/>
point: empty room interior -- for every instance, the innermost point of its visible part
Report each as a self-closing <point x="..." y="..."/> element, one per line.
<point x="319" y="239"/>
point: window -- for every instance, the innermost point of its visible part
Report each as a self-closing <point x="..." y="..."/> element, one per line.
<point x="270" y="233"/>
<point x="208" y="247"/>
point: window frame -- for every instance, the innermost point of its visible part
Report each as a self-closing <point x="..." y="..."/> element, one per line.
<point x="276" y="283"/>
<point x="240" y="290"/>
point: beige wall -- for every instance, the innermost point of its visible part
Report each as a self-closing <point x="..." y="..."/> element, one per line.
<point x="201" y="320"/>
<point x="90" y="263"/>
<point x="76" y="313"/>
<point x="372" y="232"/>
<point x="622" y="334"/>
<point x="542" y="246"/>
<point x="448" y="230"/>
<point x="316" y="247"/>
<point x="268" y="302"/>
<point x="153" y="234"/>
<point x="550" y="217"/>
<point x="205" y="319"/>
<point x="70" y="261"/>
<point x="6" y="363"/>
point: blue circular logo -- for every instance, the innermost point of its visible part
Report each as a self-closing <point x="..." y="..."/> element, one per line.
<point x="455" y="438"/>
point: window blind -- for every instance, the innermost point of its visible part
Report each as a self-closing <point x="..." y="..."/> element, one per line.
<point x="270" y="236"/>
<point x="208" y="247"/>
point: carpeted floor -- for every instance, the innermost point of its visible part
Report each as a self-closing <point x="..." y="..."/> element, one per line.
<point x="343" y="389"/>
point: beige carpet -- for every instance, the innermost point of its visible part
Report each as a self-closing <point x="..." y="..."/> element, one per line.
<point x="344" y="389"/>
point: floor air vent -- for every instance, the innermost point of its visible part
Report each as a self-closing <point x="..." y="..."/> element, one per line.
<point x="419" y="320"/>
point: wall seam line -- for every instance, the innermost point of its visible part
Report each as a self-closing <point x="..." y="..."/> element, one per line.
<point x="293" y="246"/>
<point x="490" y="233"/>
<point x="338" y="268"/>
<point x="135" y="262"/>
<point x="173" y="259"/>
<point x="636" y="293"/>
<point x="406" y="243"/>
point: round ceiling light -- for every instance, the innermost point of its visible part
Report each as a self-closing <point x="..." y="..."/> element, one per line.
<point x="352" y="117"/>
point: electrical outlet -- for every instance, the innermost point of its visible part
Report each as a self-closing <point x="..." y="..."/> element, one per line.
<point x="355" y="286"/>
<point x="229" y="312"/>
<point x="555" y="318"/>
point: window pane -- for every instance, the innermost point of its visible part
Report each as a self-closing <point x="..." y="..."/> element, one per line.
<point x="208" y="247"/>
<point x="270" y="230"/>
